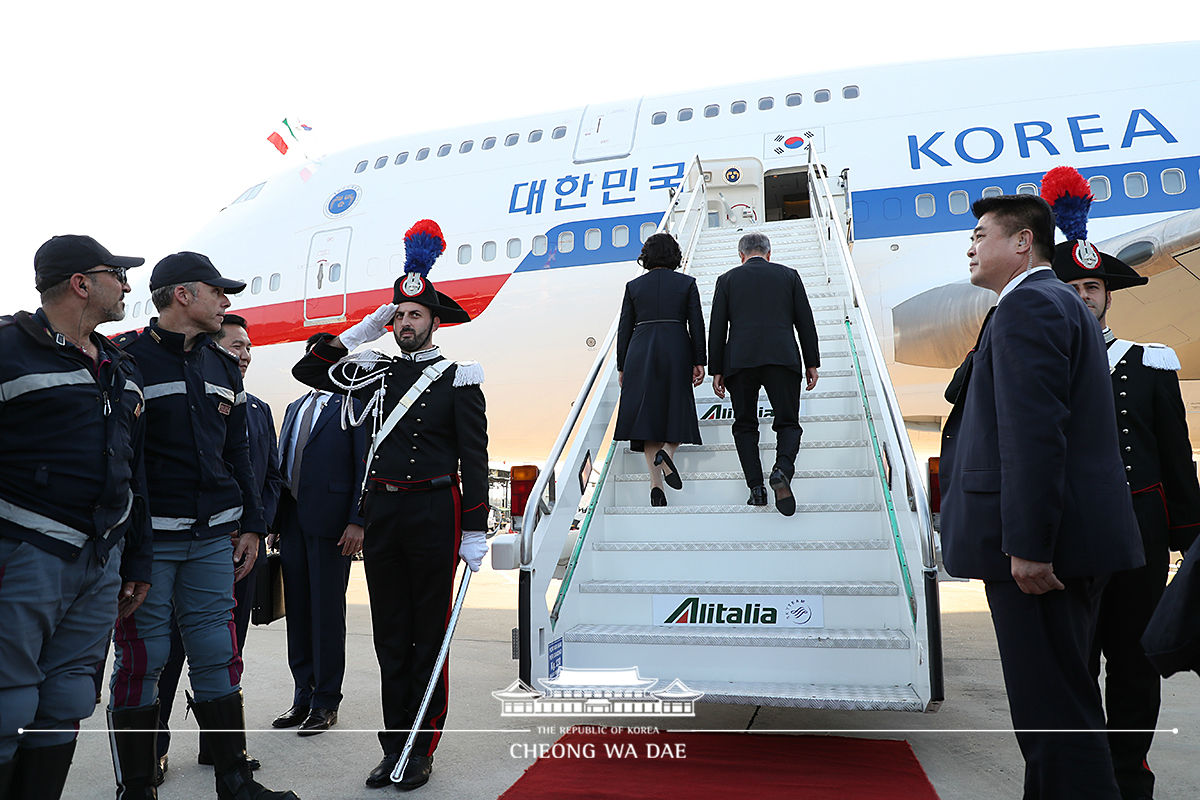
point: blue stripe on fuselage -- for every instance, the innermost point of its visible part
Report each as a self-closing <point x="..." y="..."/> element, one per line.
<point x="881" y="213"/>
<point x="579" y="255"/>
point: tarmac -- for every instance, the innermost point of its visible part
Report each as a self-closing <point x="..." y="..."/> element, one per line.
<point x="967" y="748"/>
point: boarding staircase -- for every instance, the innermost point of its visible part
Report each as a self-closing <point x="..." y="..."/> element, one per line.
<point x="683" y="592"/>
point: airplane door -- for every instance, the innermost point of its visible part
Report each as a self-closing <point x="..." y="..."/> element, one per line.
<point x="607" y="131"/>
<point x="325" y="276"/>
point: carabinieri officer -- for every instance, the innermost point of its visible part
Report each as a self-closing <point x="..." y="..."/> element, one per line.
<point x="421" y="516"/>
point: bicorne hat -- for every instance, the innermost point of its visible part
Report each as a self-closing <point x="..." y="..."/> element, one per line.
<point x="422" y="245"/>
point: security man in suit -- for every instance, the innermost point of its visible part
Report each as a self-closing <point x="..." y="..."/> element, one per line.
<point x="319" y="528"/>
<point x="427" y="491"/>
<point x="755" y="309"/>
<point x="1034" y="499"/>
<point x="234" y="337"/>
<point x="75" y="548"/>
<point x="1157" y="454"/>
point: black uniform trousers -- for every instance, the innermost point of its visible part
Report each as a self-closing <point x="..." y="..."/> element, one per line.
<point x="1045" y="642"/>
<point x="783" y="390"/>
<point x="410" y="552"/>
<point x="1132" y="693"/>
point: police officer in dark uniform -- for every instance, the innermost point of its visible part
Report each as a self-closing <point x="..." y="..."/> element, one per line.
<point x="421" y="516"/>
<point x="207" y="518"/>
<point x="74" y="533"/>
<point x="1153" y="435"/>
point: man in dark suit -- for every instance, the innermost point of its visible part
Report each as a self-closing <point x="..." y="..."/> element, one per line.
<point x="1034" y="498"/>
<point x="319" y="528"/>
<point x="751" y="346"/>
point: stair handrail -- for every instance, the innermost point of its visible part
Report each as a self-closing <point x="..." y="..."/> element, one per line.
<point x="673" y="219"/>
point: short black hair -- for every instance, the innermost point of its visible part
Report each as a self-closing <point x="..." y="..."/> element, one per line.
<point x="1016" y="212"/>
<point x="230" y="319"/>
<point x="661" y="250"/>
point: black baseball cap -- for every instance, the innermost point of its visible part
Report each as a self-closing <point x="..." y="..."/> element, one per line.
<point x="186" y="267"/>
<point x="63" y="256"/>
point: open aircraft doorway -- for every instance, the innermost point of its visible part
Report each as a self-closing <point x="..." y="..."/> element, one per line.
<point x="786" y="194"/>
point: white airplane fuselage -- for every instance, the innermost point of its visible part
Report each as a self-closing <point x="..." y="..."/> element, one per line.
<point x="320" y="244"/>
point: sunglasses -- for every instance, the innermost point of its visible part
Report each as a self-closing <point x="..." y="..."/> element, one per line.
<point x="119" y="272"/>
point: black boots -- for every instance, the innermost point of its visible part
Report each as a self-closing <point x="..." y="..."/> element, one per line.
<point x="37" y="772"/>
<point x="224" y="720"/>
<point x="134" y="738"/>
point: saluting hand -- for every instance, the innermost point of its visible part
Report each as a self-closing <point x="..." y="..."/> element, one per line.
<point x="373" y="326"/>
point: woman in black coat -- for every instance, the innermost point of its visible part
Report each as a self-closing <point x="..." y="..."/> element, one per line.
<point x="660" y="357"/>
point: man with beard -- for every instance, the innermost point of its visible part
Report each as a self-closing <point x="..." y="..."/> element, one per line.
<point x="74" y="536"/>
<point x="419" y="512"/>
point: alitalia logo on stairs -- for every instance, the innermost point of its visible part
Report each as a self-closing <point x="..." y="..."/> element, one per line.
<point x="771" y="611"/>
<point x="720" y="411"/>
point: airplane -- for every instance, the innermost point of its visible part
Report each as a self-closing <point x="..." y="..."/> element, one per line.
<point x="544" y="215"/>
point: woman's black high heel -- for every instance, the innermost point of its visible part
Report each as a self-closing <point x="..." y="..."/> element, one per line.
<point x="672" y="478"/>
<point x="657" y="497"/>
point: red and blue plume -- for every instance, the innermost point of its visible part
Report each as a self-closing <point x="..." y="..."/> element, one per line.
<point x="1069" y="194"/>
<point x="422" y="245"/>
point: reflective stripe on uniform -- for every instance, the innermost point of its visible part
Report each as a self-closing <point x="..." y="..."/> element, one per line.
<point x="164" y="389"/>
<point x="44" y="380"/>
<point x="220" y="391"/>
<point x="44" y="525"/>
<point x="131" y="386"/>
<point x="186" y="523"/>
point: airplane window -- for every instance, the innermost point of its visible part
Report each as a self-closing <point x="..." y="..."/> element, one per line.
<point x="396" y="264"/>
<point x="489" y="251"/>
<point x="443" y="150"/>
<point x="647" y="230"/>
<point x="959" y="203"/>
<point x="558" y="132"/>
<point x="373" y="266"/>
<point x="992" y="191"/>
<point x="620" y="236"/>
<point x="566" y="242"/>
<point x="1172" y="181"/>
<point x="512" y="139"/>
<point x="464" y="254"/>
<point x="684" y="114"/>
<point x="737" y="107"/>
<point x="794" y="100"/>
<point x="1101" y="189"/>
<point x="466" y="146"/>
<point x="362" y="165"/>
<point x="514" y="248"/>
<point x="925" y="205"/>
<point x="766" y="103"/>
<point x="891" y="208"/>
<point x="423" y="154"/>
<point x="381" y="162"/>
<point x="849" y="92"/>
<point x="250" y="193"/>
<point x="488" y="143"/>
<point x="401" y="158"/>
<point x="255" y="285"/>
<point x="591" y="238"/>
<point x="535" y="136"/>
<point x="821" y="96"/>
<point x="1135" y="185"/>
<point x="711" y="111"/>
<point x="137" y="309"/>
<point x="658" y="118"/>
<point x="539" y="245"/>
<point x="1027" y="188"/>
<point x="274" y="284"/>
<point x="335" y="272"/>
<point x="862" y="211"/>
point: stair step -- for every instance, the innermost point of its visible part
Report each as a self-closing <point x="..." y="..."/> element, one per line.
<point x="767" y="546"/>
<point x="809" y="695"/>
<point x="643" y="477"/>
<point x="801" y="508"/>
<point x="824" y="638"/>
<point x="765" y="445"/>
<point x="825" y="588"/>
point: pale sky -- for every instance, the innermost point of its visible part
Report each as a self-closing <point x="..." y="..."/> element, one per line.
<point x="136" y="122"/>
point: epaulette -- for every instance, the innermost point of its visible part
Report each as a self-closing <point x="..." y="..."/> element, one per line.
<point x="468" y="373"/>
<point x="1159" y="356"/>
<point x="222" y="351"/>
<point x="123" y="340"/>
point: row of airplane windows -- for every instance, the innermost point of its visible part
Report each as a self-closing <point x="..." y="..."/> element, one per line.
<point x="256" y="287"/>
<point x="658" y="118"/>
<point x="1136" y="186"/>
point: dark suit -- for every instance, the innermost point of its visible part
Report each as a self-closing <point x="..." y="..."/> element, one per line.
<point x="756" y="307"/>
<point x="309" y="524"/>
<point x="1030" y="468"/>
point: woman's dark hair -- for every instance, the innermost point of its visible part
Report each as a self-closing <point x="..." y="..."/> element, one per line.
<point x="660" y="250"/>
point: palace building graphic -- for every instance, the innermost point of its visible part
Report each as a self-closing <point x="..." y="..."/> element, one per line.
<point x="617" y="692"/>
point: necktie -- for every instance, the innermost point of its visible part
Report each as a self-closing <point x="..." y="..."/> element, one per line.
<point x="302" y="439"/>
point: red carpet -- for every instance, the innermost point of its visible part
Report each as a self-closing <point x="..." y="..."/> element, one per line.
<point x="722" y="766"/>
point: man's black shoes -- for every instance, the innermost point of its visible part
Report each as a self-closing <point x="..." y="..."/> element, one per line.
<point x="382" y="775"/>
<point x="319" y="720"/>
<point x="291" y="718"/>
<point x="758" y="496"/>
<point x="784" y="501"/>
<point x="416" y="772"/>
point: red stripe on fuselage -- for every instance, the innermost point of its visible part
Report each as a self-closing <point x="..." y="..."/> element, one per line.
<point x="275" y="323"/>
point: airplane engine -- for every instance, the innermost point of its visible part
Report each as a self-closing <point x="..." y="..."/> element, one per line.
<point x="937" y="328"/>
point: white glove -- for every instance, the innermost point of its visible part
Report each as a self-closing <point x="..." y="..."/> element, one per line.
<point x="473" y="548"/>
<point x="371" y="328"/>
